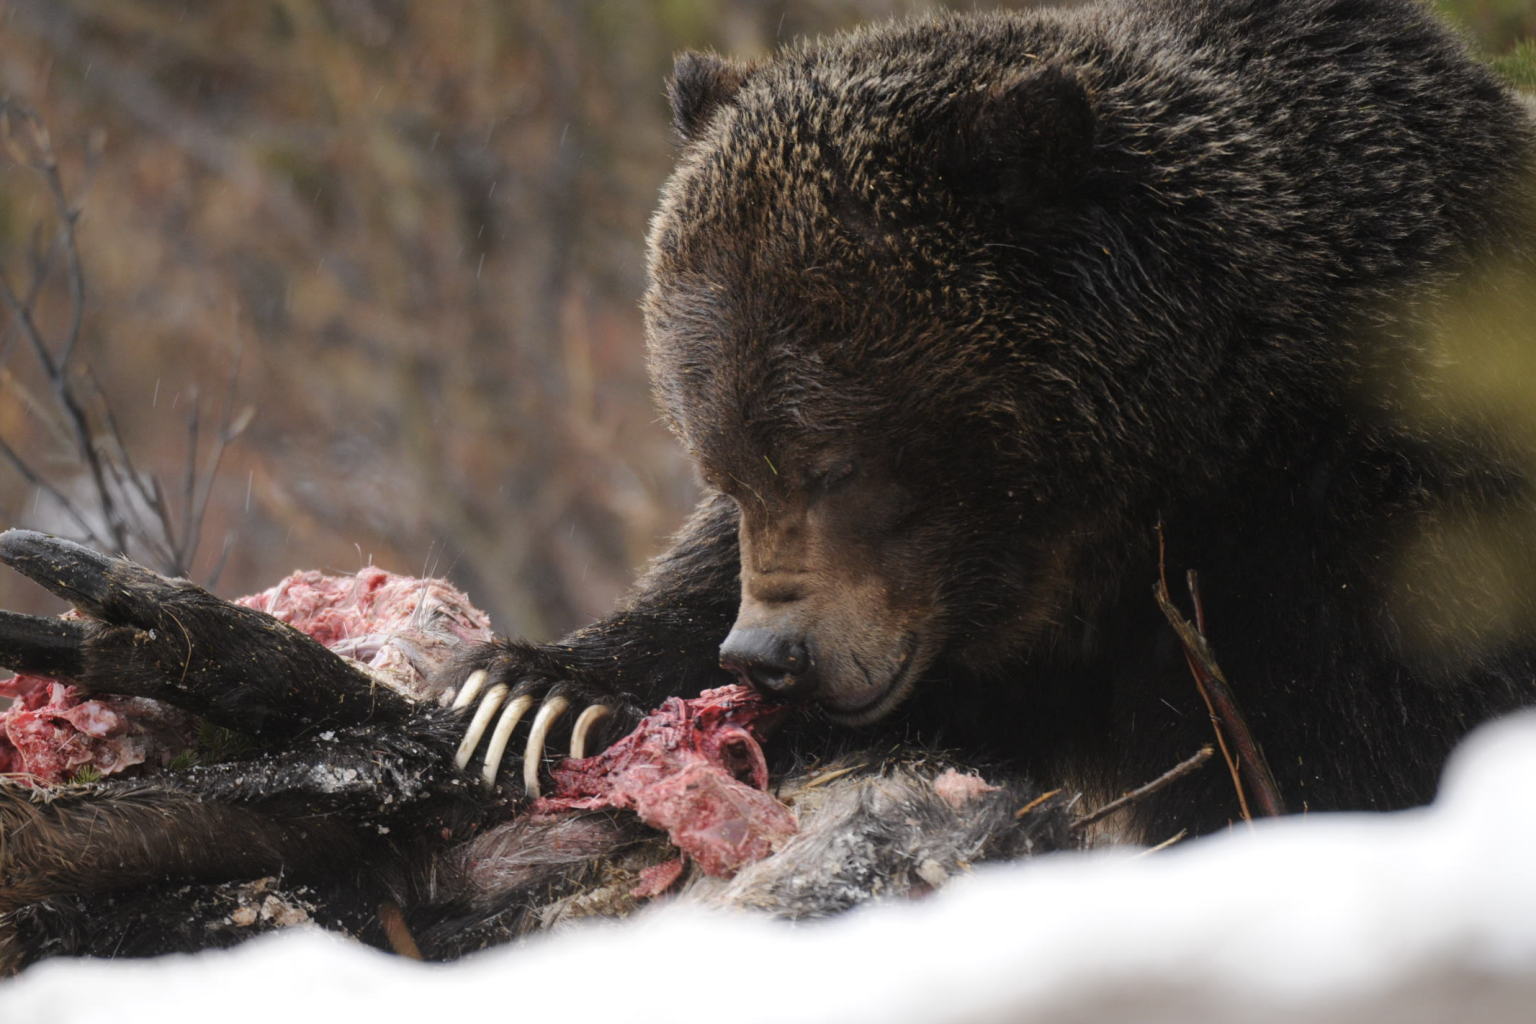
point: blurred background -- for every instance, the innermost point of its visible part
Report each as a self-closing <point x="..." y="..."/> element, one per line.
<point x="357" y="281"/>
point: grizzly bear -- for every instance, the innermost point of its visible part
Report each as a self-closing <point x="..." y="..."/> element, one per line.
<point x="952" y="313"/>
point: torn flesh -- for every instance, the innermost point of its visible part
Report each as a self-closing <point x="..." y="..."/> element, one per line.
<point x="399" y="629"/>
<point x="693" y="769"/>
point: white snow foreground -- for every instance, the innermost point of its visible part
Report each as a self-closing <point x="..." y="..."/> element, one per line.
<point x="1425" y="915"/>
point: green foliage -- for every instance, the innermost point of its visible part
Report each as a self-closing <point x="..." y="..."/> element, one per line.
<point x="1519" y="65"/>
<point x="1495" y="25"/>
<point x="85" y="775"/>
<point x="214" y="745"/>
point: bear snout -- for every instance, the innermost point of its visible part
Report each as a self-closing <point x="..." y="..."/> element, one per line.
<point x="775" y="664"/>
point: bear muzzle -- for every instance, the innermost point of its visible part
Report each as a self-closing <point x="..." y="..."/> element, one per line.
<point x="775" y="664"/>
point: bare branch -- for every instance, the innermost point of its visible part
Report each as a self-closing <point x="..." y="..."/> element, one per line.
<point x="218" y="567"/>
<point x="38" y="481"/>
<point x="138" y="527"/>
<point x="135" y="479"/>
<point x="1125" y="800"/>
<point x="1227" y="720"/>
<point x="189" y="481"/>
<point x="132" y="503"/>
<point x="21" y="313"/>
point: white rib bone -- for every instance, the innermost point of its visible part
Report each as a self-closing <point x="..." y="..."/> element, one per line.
<point x="510" y="716"/>
<point x="591" y="716"/>
<point x="470" y="690"/>
<point x="533" y="754"/>
<point x="488" y="705"/>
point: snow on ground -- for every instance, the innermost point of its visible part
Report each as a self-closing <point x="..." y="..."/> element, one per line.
<point x="1425" y="915"/>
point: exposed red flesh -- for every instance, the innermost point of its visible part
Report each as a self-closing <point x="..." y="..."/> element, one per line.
<point x="695" y="769"/>
<point x="658" y="878"/>
<point x="398" y="628"/>
<point x="53" y="731"/>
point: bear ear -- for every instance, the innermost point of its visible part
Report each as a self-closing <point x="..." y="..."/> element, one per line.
<point x="1028" y="138"/>
<point x="699" y="85"/>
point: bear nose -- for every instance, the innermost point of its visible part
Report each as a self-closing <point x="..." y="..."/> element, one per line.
<point x="773" y="664"/>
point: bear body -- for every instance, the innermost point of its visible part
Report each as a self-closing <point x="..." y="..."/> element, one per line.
<point x="954" y="314"/>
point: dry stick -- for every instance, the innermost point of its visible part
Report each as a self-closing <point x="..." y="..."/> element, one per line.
<point x="231" y="426"/>
<point x="1220" y="703"/>
<point x="137" y="527"/>
<point x="75" y="416"/>
<point x="36" y="480"/>
<point x="69" y="214"/>
<point x="218" y="566"/>
<point x="57" y="369"/>
<point x="35" y="407"/>
<point x="1262" y="781"/>
<point x="1036" y="802"/>
<point x="42" y="264"/>
<point x="1173" y="774"/>
<point x="74" y="275"/>
<point x="1160" y="594"/>
<point x="189" y="478"/>
<point x="149" y="494"/>
<point x="115" y="477"/>
<point x="1176" y="837"/>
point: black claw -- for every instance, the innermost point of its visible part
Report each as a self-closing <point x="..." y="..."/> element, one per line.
<point x="46" y="647"/>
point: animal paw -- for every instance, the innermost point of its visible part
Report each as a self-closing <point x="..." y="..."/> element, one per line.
<point x="508" y="684"/>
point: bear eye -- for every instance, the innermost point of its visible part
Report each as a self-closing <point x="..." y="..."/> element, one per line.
<point x="833" y="478"/>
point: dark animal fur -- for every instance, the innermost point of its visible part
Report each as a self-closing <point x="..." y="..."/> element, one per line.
<point x="141" y="869"/>
<point x="356" y="805"/>
<point x="951" y="314"/>
<point x="1046" y="280"/>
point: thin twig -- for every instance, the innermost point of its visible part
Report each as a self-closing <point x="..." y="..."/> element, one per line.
<point x="123" y="494"/>
<point x="149" y="494"/>
<point x="55" y="366"/>
<point x="1168" y="777"/>
<point x="36" y="407"/>
<point x="74" y="273"/>
<point x="189" y="478"/>
<point x="22" y="314"/>
<point x="1160" y="594"/>
<point x="1176" y="837"/>
<point x="218" y="566"/>
<point x="1261" y="780"/>
<point x="138" y="527"/>
<point x="36" y="480"/>
<point x="231" y="426"/>
<point x="1036" y="802"/>
<point x="1227" y="721"/>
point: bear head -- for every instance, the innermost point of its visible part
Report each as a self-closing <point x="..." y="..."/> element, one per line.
<point x="853" y="328"/>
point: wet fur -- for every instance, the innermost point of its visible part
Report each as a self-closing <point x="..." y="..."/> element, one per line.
<point x="355" y="817"/>
<point x="143" y="869"/>
<point x="1050" y="279"/>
